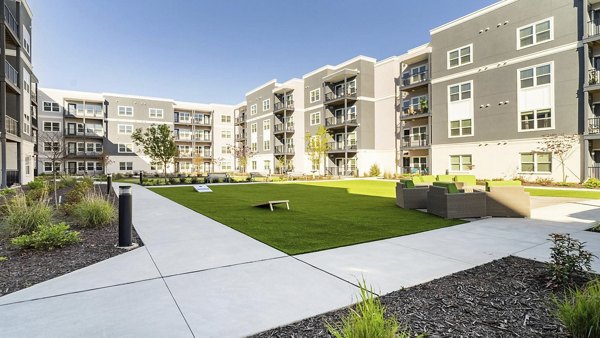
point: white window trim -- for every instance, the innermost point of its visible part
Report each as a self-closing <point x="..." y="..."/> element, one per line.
<point x="268" y="103"/>
<point x="253" y="109"/>
<point x="552" y="102"/>
<point x="51" y="106"/>
<point x="472" y="128"/>
<point x="461" y="169"/>
<point x="127" y="145"/>
<point x="318" y="90"/>
<point x="535" y="163"/>
<point x="119" y="111"/>
<point x="459" y="91"/>
<point x="156" y="110"/>
<point x="318" y="113"/>
<point x="255" y="127"/>
<point x="459" y="63"/>
<point x="125" y="125"/>
<point x="535" y="43"/>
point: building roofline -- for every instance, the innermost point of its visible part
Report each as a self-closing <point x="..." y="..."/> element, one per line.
<point x="472" y="15"/>
<point x="341" y="65"/>
<point x="274" y="81"/>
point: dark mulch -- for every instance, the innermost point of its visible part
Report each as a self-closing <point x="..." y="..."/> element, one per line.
<point x="24" y="268"/>
<point x="504" y="298"/>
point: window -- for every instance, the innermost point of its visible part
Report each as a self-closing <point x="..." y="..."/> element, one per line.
<point x="90" y="166"/>
<point x="536" y="162"/>
<point x="267" y="165"/>
<point x="28" y="165"/>
<point x="254" y="165"/>
<point x="51" y="146"/>
<point x="459" y="92"/>
<point x="266" y="105"/>
<point x="253" y="109"/>
<point x="315" y="118"/>
<point x="125" y="147"/>
<point x="315" y="95"/>
<point x="51" y="107"/>
<point x="26" y="41"/>
<point x="460" y="163"/>
<point x="461" y="128"/>
<point x="253" y="146"/>
<point x="226" y="134"/>
<point x="267" y="145"/>
<point x="125" y="165"/>
<point x="48" y="166"/>
<point x="267" y="125"/>
<point x="536" y="119"/>
<point x="536" y="33"/>
<point x="51" y="126"/>
<point x="460" y="56"/>
<point x="125" y="111"/>
<point x="226" y="150"/>
<point x="156" y="113"/>
<point x="253" y="128"/>
<point x="125" y="128"/>
<point x="98" y="166"/>
<point x="226" y="118"/>
<point x="226" y="165"/>
<point x="535" y="76"/>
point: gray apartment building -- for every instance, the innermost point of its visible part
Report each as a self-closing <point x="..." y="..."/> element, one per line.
<point x="18" y="96"/>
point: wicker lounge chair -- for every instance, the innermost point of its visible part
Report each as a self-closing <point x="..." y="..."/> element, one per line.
<point x="409" y="196"/>
<point x="445" y="200"/>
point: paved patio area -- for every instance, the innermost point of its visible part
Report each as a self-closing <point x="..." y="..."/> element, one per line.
<point x="197" y="277"/>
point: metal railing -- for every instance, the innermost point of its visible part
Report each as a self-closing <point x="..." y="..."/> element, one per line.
<point x="350" y="93"/>
<point x="84" y="153"/>
<point x="239" y="137"/>
<point x="410" y="142"/>
<point x="10" y="20"/>
<point x="415" y="170"/>
<point x="283" y="127"/>
<point x="11" y="73"/>
<point x="340" y="146"/>
<point x="594" y="125"/>
<point x="341" y="171"/>
<point x="283" y="105"/>
<point x="593" y="27"/>
<point x="240" y="119"/>
<point x="85" y="133"/>
<point x="283" y="149"/>
<point x="594" y="172"/>
<point x="12" y="177"/>
<point x="12" y="126"/>
<point x="411" y="112"/>
<point x="593" y="76"/>
<point x="340" y="121"/>
<point x="415" y="78"/>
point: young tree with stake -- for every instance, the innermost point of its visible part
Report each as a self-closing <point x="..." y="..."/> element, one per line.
<point x="158" y="143"/>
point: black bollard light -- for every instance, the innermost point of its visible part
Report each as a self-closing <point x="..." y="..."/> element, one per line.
<point x="141" y="178"/>
<point x="108" y="183"/>
<point x="125" y="216"/>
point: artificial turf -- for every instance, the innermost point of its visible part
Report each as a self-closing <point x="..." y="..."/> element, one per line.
<point x="564" y="193"/>
<point x="323" y="215"/>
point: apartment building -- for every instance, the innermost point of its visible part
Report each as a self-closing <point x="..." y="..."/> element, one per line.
<point x="591" y="87"/>
<point x="96" y="133"/>
<point x="18" y="95"/>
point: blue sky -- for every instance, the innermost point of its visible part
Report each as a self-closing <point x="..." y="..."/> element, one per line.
<point x="215" y="51"/>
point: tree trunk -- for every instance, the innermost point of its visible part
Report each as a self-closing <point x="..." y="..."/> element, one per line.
<point x="55" y="191"/>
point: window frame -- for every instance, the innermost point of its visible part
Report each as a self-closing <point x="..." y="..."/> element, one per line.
<point x="460" y="91"/>
<point x="128" y="148"/>
<point x="460" y="63"/>
<point x="535" y="33"/>
<point x="124" y="125"/>
<point x="535" y="162"/>
<point x="461" y="127"/>
<point x="52" y="124"/>
<point x="253" y="109"/>
<point x="156" y="110"/>
<point x="461" y="164"/>
<point x="316" y="117"/>
<point x="266" y="105"/>
<point x="125" y="111"/>
<point x="52" y="104"/>
<point x="316" y="97"/>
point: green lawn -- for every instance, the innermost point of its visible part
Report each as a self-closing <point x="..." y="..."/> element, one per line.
<point x="323" y="215"/>
<point x="564" y="193"/>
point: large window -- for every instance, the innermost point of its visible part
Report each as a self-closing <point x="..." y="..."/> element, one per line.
<point x="125" y="165"/>
<point x="253" y="128"/>
<point x="536" y="162"/>
<point x="253" y="109"/>
<point x="535" y="33"/>
<point x="460" y="56"/>
<point x="156" y="113"/>
<point x="535" y="76"/>
<point x="51" y="126"/>
<point x="315" y="95"/>
<point x="315" y="118"/>
<point x="52" y="146"/>
<point x="460" y="162"/>
<point x="266" y="105"/>
<point x="226" y="118"/>
<point x="226" y="134"/>
<point x="267" y="145"/>
<point x="459" y="92"/>
<point x="51" y="107"/>
<point x="536" y="119"/>
<point x="253" y="146"/>
<point x="266" y="125"/>
<point x="125" y="128"/>
<point x="461" y="128"/>
<point x="125" y="148"/>
<point x="125" y="111"/>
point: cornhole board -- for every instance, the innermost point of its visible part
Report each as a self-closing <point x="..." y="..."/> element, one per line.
<point x="272" y="203"/>
<point x="202" y="188"/>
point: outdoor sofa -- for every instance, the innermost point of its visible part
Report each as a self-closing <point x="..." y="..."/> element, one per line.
<point x="444" y="199"/>
<point x="410" y="196"/>
<point x="507" y="199"/>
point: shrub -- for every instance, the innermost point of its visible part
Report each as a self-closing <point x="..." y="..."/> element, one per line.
<point x="567" y="258"/>
<point x="580" y="311"/>
<point x="47" y="237"/>
<point x="374" y="170"/>
<point x="22" y="216"/>
<point x="3" y="258"/>
<point x="592" y="183"/>
<point x="367" y="320"/>
<point x="67" y="181"/>
<point x="387" y="175"/>
<point x="172" y="180"/>
<point x="94" y="210"/>
<point x="79" y="191"/>
<point x="38" y="183"/>
<point x="194" y="180"/>
<point x="182" y="180"/>
<point x="543" y="181"/>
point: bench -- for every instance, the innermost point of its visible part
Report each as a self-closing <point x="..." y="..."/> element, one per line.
<point x="272" y="203"/>
<point x="216" y="177"/>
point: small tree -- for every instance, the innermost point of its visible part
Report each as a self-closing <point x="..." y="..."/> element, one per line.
<point x="197" y="160"/>
<point x="105" y="160"/>
<point x="242" y="154"/>
<point x="158" y="143"/>
<point x="55" y="153"/>
<point x="561" y="146"/>
<point x="317" y="146"/>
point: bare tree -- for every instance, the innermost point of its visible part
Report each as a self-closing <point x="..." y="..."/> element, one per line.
<point x="561" y="146"/>
<point x="317" y="146"/>
<point x="105" y="160"/>
<point x="54" y="150"/>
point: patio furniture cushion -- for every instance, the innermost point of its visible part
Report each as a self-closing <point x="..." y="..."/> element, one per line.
<point x="466" y="179"/>
<point x="450" y="187"/>
<point x="408" y="183"/>
<point x="488" y="184"/>
<point x="445" y="178"/>
<point x="427" y="178"/>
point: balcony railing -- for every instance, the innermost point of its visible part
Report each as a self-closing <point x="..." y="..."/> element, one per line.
<point x="415" y="170"/>
<point x="203" y="138"/>
<point x="408" y="142"/>
<point x="414" y="112"/>
<point x="338" y="121"/>
<point x="202" y="122"/>
<point x="279" y="106"/>
<point x="10" y="20"/>
<point x="84" y="153"/>
<point x="190" y="154"/>
<point x="340" y="146"/>
<point x="283" y="127"/>
<point x="593" y="77"/>
<point x="12" y="74"/>
<point x="594" y="125"/>
<point x="240" y="137"/>
<point x="12" y="126"/>
<point x="283" y="149"/>
<point x="341" y="171"/>
<point x="240" y="119"/>
<point x="344" y="94"/>
<point x="593" y="27"/>
<point x="84" y="113"/>
<point x="415" y="79"/>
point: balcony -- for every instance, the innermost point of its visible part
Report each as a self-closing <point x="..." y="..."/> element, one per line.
<point x="411" y="142"/>
<point x="81" y="113"/>
<point x="284" y="150"/>
<point x="184" y="120"/>
<point x="202" y="122"/>
<point x="240" y="137"/>
<point x="349" y="94"/>
<point x="282" y="106"/>
<point x="341" y="121"/>
<point x="415" y="79"/>
<point x="414" y="113"/>
<point x="72" y="154"/>
<point x="281" y="128"/>
<point x="415" y="170"/>
<point x="11" y="22"/>
<point x="337" y="147"/>
<point x="240" y="119"/>
<point x="341" y="171"/>
<point x="202" y="138"/>
<point x="593" y="28"/>
<point x="34" y="97"/>
<point x="594" y="125"/>
<point x="192" y="154"/>
<point x="12" y="126"/>
<point x="89" y="133"/>
<point x="12" y="75"/>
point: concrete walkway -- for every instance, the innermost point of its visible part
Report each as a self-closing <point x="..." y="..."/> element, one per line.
<point x="197" y="277"/>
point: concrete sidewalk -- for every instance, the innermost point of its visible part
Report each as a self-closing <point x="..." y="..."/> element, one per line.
<point x="197" y="277"/>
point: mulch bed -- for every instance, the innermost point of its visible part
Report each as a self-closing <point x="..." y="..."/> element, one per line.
<point x="504" y="298"/>
<point x="24" y="268"/>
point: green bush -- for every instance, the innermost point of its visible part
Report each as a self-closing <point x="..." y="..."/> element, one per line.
<point x="567" y="259"/>
<point x="374" y="170"/>
<point x="387" y="175"/>
<point x="194" y="180"/>
<point x="67" y="181"/>
<point x="172" y="180"/>
<point x="47" y="237"/>
<point x="368" y="320"/>
<point x="580" y="311"/>
<point x="544" y="181"/>
<point x="22" y="216"/>
<point x="79" y="191"/>
<point x="38" y="183"/>
<point x="94" y="210"/>
<point x="592" y="183"/>
<point x="3" y="258"/>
